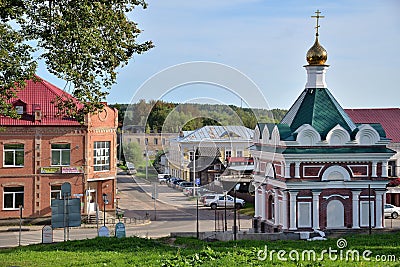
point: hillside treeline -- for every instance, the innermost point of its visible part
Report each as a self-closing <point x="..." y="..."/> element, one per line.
<point x="160" y="116"/>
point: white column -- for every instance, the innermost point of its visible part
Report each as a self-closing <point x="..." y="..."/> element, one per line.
<point x="356" y="194"/>
<point x="293" y="210"/>
<point x="384" y="202"/>
<point x="384" y="169"/>
<point x="287" y="169"/>
<point x="374" y="165"/>
<point x="379" y="211"/>
<point x="284" y="211"/>
<point x="263" y="203"/>
<point x="297" y="170"/>
<point x="315" y="209"/>
<point x="276" y="207"/>
<point x="256" y="202"/>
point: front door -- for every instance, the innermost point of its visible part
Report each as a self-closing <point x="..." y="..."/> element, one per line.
<point x="92" y="201"/>
<point x="335" y="214"/>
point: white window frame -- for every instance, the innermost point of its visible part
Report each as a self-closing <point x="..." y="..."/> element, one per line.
<point x="13" y="196"/>
<point x="60" y="151"/>
<point x="239" y="152"/>
<point x="228" y="151"/>
<point x="101" y="158"/>
<point x="53" y="190"/>
<point x="304" y="212"/>
<point x="14" y="153"/>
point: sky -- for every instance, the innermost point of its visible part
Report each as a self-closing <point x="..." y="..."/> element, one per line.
<point x="266" y="42"/>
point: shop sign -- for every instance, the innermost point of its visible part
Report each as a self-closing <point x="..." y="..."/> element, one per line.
<point x="72" y="169"/>
<point x="49" y="170"/>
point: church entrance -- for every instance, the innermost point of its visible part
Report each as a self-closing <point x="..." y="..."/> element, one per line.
<point x="335" y="214"/>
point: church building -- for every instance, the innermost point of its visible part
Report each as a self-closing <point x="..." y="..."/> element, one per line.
<point x="317" y="169"/>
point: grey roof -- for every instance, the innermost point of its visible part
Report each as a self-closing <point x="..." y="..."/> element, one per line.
<point x="219" y="133"/>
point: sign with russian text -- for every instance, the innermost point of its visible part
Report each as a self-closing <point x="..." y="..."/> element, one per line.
<point x="49" y="170"/>
<point x="72" y="169"/>
<point x="47" y="234"/>
<point x="120" y="230"/>
<point x="104" y="232"/>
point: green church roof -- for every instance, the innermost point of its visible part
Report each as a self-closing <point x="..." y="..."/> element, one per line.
<point x="318" y="108"/>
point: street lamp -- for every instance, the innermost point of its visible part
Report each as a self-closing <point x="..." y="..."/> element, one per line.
<point x="105" y="201"/>
<point x="226" y="222"/>
<point x="234" y="215"/>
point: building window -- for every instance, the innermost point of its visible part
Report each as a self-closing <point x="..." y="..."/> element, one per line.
<point x="101" y="156"/>
<point x="191" y="154"/>
<point x="13" y="197"/>
<point x="239" y="153"/>
<point x="156" y="141"/>
<point x="138" y="140"/>
<point x="55" y="192"/>
<point x="217" y="177"/>
<point x="14" y="155"/>
<point x="228" y="154"/>
<point x="163" y="141"/>
<point x="19" y="110"/>
<point x="60" y="154"/>
<point x="392" y="168"/>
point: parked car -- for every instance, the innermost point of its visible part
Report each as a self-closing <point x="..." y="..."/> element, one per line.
<point x="391" y="211"/>
<point x="183" y="185"/>
<point x="171" y="180"/>
<point x="130" y="168"/>
<point x="218" y="200"/>
<point x="163" y="178"/>
<point x="176" y="182"/>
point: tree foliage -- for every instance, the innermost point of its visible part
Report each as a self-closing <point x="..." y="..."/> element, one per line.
<point x="133" y="153"/>
<point x="82" y="42"/>
<point x="160" y="116"/>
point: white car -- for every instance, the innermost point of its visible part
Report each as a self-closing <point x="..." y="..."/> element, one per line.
<point x="218" y="200"/>
<point x="392" y="211"/>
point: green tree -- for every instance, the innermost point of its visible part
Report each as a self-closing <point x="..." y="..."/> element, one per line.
<point x="133" y="153"/>
<point x="83" y="42"/>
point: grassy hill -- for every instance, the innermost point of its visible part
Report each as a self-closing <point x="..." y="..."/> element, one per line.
<point x="135" y="251"/>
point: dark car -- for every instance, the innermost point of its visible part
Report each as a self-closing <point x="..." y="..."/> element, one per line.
<point x="176" y="182"/>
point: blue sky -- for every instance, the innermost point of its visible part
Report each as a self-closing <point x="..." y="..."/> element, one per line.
<point x="267" y="41"/>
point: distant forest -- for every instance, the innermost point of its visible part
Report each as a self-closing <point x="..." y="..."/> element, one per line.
<point x="160" y="116"/>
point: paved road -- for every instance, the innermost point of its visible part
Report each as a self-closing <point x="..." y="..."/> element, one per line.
<point x="171" y="212"/>
<point x="174" y="213"/>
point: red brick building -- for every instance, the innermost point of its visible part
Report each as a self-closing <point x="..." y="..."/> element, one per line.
<point x="317" y="169"/>
<point x="389" y="118"/>
<point x="43" y="149"/>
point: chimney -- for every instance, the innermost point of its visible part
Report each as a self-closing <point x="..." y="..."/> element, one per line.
<point x="37" y="112"/>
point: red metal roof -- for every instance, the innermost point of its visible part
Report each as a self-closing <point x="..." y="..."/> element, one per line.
<point x="39" y="96"/>
<point x="389" y="118"/>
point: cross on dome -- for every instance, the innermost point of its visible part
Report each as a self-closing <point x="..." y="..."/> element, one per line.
<point x="317" y="17"/>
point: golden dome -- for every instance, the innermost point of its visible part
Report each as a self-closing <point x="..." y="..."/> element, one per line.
<point x="316" y="55"/>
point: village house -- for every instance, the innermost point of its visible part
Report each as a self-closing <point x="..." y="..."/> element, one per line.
<point x="213" y="147"/>
<point x="317" y="169"/>
<point x="44" y="149"/>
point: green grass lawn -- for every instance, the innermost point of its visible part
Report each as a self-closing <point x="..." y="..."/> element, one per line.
<point x="135" y="251"/>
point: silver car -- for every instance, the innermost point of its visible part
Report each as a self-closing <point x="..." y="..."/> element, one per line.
<point x="218" y="200"/>
<point x="392" y="211"/>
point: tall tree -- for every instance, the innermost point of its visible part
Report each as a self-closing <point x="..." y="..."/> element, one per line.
<point x="83" y="42"/>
